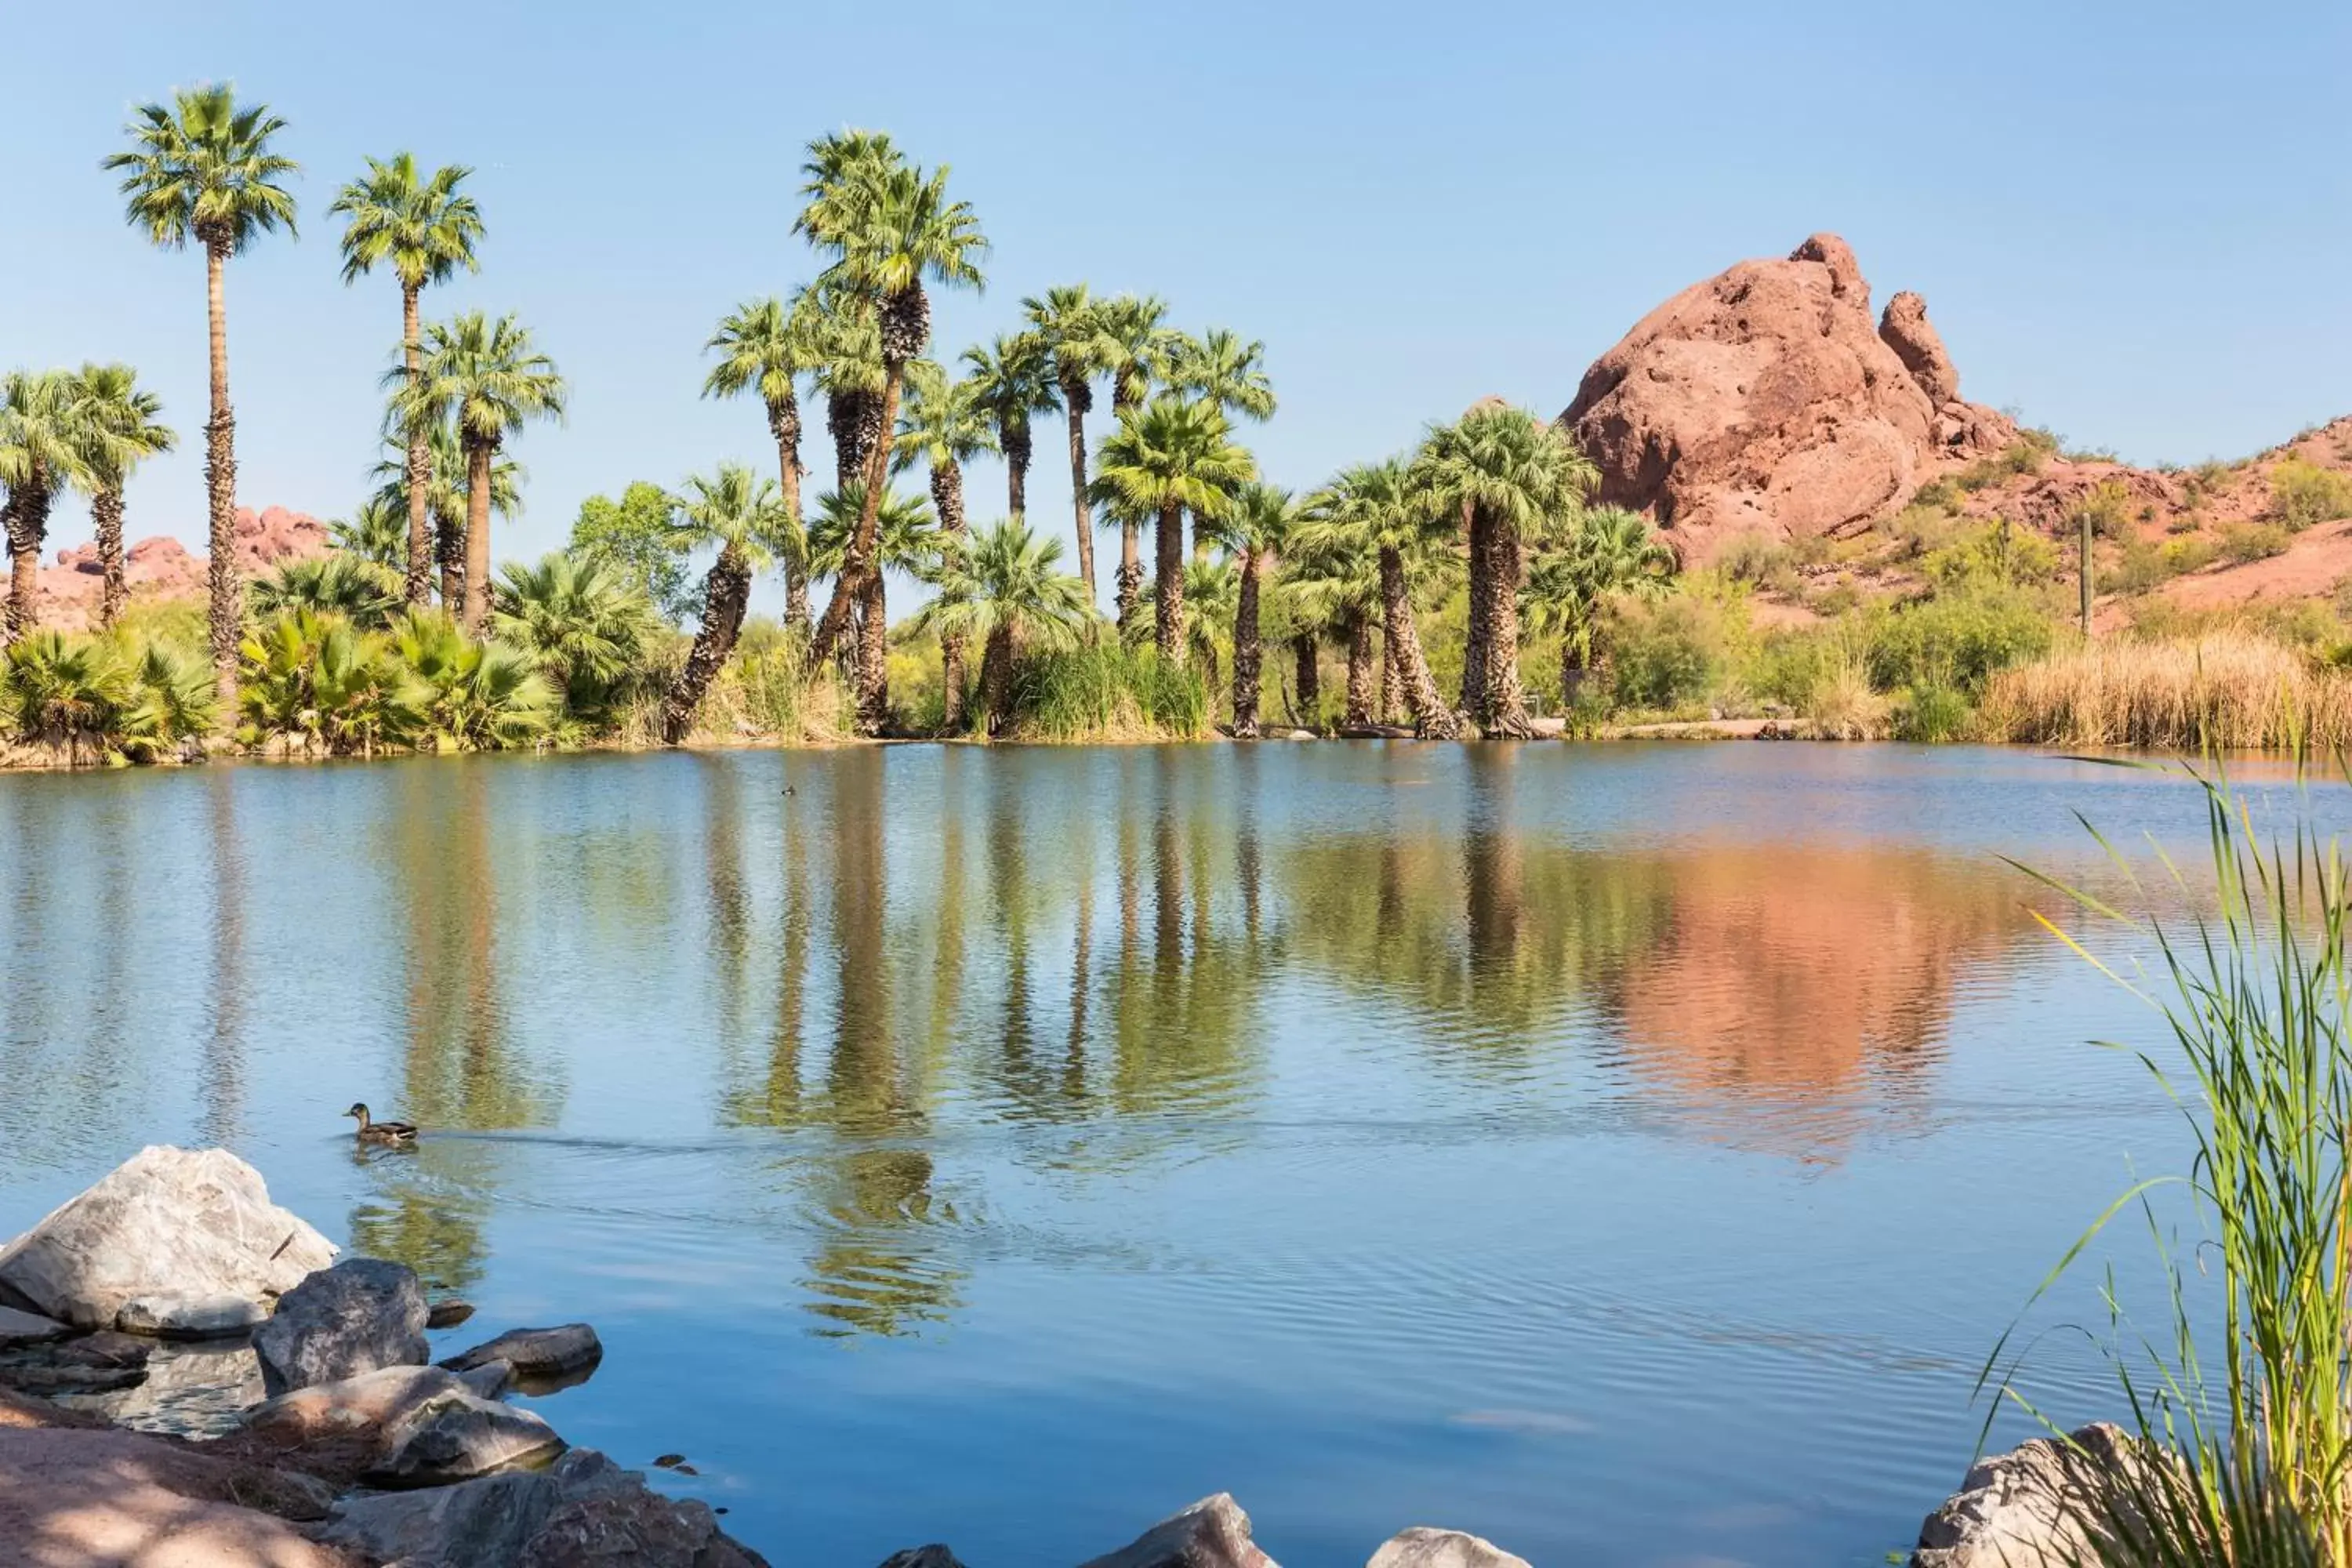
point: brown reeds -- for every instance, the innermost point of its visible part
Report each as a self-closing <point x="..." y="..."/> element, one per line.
<point x="2226" y="689"/>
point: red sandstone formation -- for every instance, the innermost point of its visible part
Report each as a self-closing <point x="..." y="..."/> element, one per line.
<point x="160" y="568"/>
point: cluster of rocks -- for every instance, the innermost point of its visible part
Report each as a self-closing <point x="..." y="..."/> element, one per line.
<point x="161" y="567"/>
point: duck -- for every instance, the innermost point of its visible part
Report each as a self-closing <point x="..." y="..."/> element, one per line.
<point x="374" y="1131"/>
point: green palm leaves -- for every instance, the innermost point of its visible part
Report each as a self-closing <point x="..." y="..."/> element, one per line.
<point x="1006" y="591"/>
<point x="765" y="346"/>
<point x="44" y="446"/>
<point x="1012" y="379"/>
<point x="743" y="515"/>
<point x="586" y="626"/>
<point x="1174" y="455"/>
<point x="202" y="168"/>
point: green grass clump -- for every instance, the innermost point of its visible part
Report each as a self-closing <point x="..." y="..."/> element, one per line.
<point x="1106" y="692"/>
<point x="1958" y="641"/>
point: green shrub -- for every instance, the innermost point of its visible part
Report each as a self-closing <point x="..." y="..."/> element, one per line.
<point x="1997" y="553"/>
<point x="1921" y="529"/>
<point x="1956" y="640"/>
<point x="1106" y="691"/>
<point x="1757" y="559"/>
<point x="2250" y="542"/>
<point x="1938" y="495"/>
<point x="104" y="699"/>
<point x="1933" y="713"/>
<point x="1672" y="652"/>
<point x="2024" y="456"/>
<point x="2303" y="493"/>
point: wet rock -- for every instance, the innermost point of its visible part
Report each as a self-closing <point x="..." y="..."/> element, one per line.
<point x="92" y="1364"/>
<point x="103" y="1497"/>
<point x="2033" y="1506"/>
<point x="447" y="1313"/>
<point x="360" y="1316"/>
<point x="491" y="1380"/>
<point x="190" y="1316"/>
<point x="931" y="1556"/>
<point x="482" y="1523"/>
<point x="198" y="1389"/>
<point x="369" y="1404"/>
<point x="28" y="1329"/>
<point x="1425" y="1548"/>
<point x="167" y="1222"/>
<point x="456" y="1437"/>
<point x="627" y="1523"/>
<point x="536" y="1353"/>
<point x="1213" y="1533"/>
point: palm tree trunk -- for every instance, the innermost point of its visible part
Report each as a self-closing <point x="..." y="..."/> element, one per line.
<point x="726" y="591"/>
<point x="106" y="522"/>
<point x="224" y="583"/>
<point x="1012" y="436"/>
<point x="1168" y="609"/>
<point x="873" y="657"/>
<point x="1130" y="592"/>
<point x="1506" y="706"/>
<point x="785" y="423"/>
<point x="27" y="526"/>
<point x="1391" y="679"/>
<point x="857" y="565"/>
<point x="1307" y="680"/>
<point x="474" y="611"/>
<point x="1247" y="655"/>
<point x="1358" y="713"/>
<point x="1431" y="716"/>
<point x="417" y="576"/>
<point x="947" y="500"/>
<point x="1075" y="398"/>
<point x="450" y="547"/>
<point x="1475" y="667"/>
<point x="996" y="678"/>
<point x="1573" y="668"/>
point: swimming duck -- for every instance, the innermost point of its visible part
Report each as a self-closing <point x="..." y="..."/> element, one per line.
<point x="371" y="1131"/>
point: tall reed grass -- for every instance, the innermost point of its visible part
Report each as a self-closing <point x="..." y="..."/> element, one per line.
<point x="2223" y="690"/>
<point x="1106" y="692"/>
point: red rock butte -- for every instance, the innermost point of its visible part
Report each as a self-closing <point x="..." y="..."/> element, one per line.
<point x="160" y="568"/>
<point x="1765" y="400"/>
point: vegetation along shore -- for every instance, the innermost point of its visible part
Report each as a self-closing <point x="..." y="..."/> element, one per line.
<point x="1864" y="555"/>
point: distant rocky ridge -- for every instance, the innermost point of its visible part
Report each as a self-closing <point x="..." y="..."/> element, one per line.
<point x="161" y="567"/>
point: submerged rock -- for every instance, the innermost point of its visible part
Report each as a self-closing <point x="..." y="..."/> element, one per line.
<point x="1425" y="1548"/>
<point x="535" y="1354"/>
<point x="360" y="1316"/>
<point x="2034" y="1507"/>
<point x="456" y="1436"/>
<point x="167" y="1222"/>
<point x="1213" y="1533"/>
<point x="477" y="1524"/>
<point x="28" y="1329"/>
<point x="447" y="1312"/>
<point x="931" y="1556"/>
<point x="198" y="1389"/>
<point x="93" y="1363"/>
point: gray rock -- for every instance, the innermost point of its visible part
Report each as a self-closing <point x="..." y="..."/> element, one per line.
<point x="190" y="1316"/>
<point x="447" y="1313"/>
<point x="456" y="1437"/>
<point x="481" y="1523"/>
<point x="198" y="1389"/>
<point x="628" y="1524"/>
<point x="491" y="1380"/>
<point x="360" y="1316"/>
<point x="1213" y="1533"/>
<point x="1422" y="1547"/>
<point x="28" y="1329"/>
<point x="94" y="1363"/>
<point x="2037" y="1506"/>
<point x="536" y="1353"/>
<point x="373" y="1402"/>
<point x="195" y="1224"/>
<point x="933" y="1556"/>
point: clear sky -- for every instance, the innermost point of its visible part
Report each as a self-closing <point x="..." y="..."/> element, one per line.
<point x="2129" y="221"/>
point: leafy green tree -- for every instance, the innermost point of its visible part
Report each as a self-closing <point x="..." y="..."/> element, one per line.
<point x="634" y="536"/>
<point x="1006" y="592"/>
<point x="1609" y="553"/>
<point x="581" y="618"/>
<point x="350" y="586"/>
<point x="423" y="228"/>
<point x="1174" y="454"/>
<point x="120" y="427"/>
<point x="743" y="516"/>
<point x="44" y="446"/>
<point x="1516" y="481"/>
<point x="765" y="347"/>
<point x="376" y="530"/>
<point x="906" y="541"/>
<point x="1373" y="506"/>
<point x="1068" y="321"/>
<point x="944" y="425"/>
<point x="489" y="381"/>
<point x="1013" y="379"/>
<point x="1255" y="532"/>
<point x="1140" y="348"/>
<point x="202" y="169"/>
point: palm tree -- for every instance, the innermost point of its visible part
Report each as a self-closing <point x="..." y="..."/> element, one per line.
<point x="1012" y="379"/>
<point x="486" y="380"/>
<point x="1142" y="347"/>
<point x="1227" y="371"/>
<point x="44" y="446"/>
<point x="1174" y="454"/>
<point x="1516" y="479"/>
<point x="202" y="169"/>
<point x="1333" y="578"/>
<point x="377" y="530"/>
<point x="1255" y="532"/>
<point x="891" y="226"/>
<point x="741" y="515"/>
<point x="425" y="231"/>
<point x="446" y="497"/>
<point x="1068" y="320"/>
<point x="943" y="425"/>
<point x="363" y="592"/>
<point x="577" y="616"/>
<point x="1007" y="591"/>
<point x="906" y="539"/>
<point x="765" y="346"/>
<point x="120" y="429"/>
<point x="1375" y="503"/>
<point x="1609" y="552"/>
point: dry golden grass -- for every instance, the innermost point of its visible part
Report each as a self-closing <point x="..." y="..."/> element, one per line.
<point x="1845" y="707"/>
<point x="2223" y="688"/>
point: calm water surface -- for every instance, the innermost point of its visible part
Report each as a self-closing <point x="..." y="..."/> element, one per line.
<point x="1629" y="1153"/>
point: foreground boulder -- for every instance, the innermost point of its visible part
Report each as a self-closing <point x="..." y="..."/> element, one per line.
<point x="71" y="1497"/>
<point x="368" y="1406"/>
<point x="1213" y="1533"/>
<point x="2033" y="1507"/>
<point x="1765" y="400"/>
<point x="360" y="1316"/>
<point x="1425" y="1548"/>
<point x="458" y="1436"/>
<point x="195" y="1225"/>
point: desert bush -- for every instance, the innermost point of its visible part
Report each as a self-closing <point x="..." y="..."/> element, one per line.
<point x="1956" y="640"/>
<point x="1844" y="707"/>
<point x="2026" y="454"/>
<point x="2250" y="541"/>
<point x="1996" y="554"/>
<point x="1759" y="560"/>
<point x="1106" y="691"/>
<point x="2303" y="493"/>
<point x="1933" y="714"/>
<point x="1672" y="652"/>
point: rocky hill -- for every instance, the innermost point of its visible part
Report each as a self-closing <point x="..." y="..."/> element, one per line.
<point x="161" y="567"/>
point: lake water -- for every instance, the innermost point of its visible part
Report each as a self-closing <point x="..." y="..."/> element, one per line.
<point x="1629" y="1152"/>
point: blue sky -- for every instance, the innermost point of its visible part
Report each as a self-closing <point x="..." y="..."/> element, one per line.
<point x="2129" y="221"/>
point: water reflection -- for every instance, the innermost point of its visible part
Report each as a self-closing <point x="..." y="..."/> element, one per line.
<point x="221" y="1082"/>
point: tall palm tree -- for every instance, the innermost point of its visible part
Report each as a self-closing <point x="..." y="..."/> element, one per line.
<point x="1142" y="347"/>
<point x="891" y="227"/>
<point x="765" y="346"/>
<point x="444" y="494"/>
<point x="1011" y="380"/>
<point x="1333" y="578"/>
<point x="1516" y="479"/>
<point x="202" y="169"/>
<point x="1255" y="532"/>
<point x="120" y="427"/>
<point x="425" y="229"/>
<point x="906" y="541"/>
<point x="1377" y="504"/>
<point x="943" y="425"/>
<point x="487" y="381"/>
<point x="741" y="514"/>
<point x="1608" y="553"/>
<point x="1007" y="591"/>
<point x="44" y="446"/>
<point x="1174" y="454"/>
<point x="1068" y="320"/>
<point x="1227" y="371"/>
